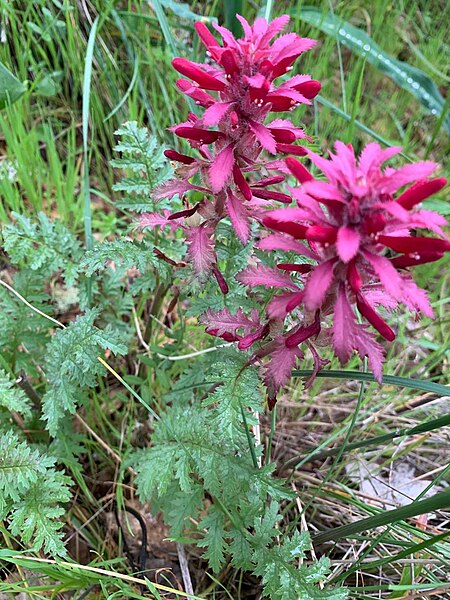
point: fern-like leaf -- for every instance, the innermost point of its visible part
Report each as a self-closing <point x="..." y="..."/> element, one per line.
<point x="43" y="245"/>
<point x="143" y="159"/>
<point x="13" y="398"/>
<point x="72" y="364"/>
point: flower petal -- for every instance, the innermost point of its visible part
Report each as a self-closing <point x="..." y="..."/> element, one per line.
<point x="266" y="276"/>
<point x="348" y="335"/>
<point x="347" y="243"/>
<point x="318" y="284"/>
<point x="239" y="217"/>
<point x="191" y="70"/>
<point x="201" y="248"/>
<point x="215" y="113"/>
<point x="221" y="168"/>
<point x="420" y="191"/>
<point x="264" y="137"/>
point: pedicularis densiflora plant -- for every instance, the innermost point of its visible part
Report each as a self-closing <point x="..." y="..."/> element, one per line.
<point x="296" y="257"/>
<point x="349" y="236"/>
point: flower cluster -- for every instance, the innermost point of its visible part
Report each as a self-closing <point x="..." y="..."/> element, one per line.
<point x="354" y="231"/>
<point x="361" y="241"/>
<point x="230" y="167"/>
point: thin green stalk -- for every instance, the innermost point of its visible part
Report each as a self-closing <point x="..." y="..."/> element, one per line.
<point x="161" y="15"/>
<point x="433" y="425"/>
<point x="437" y="126"/>
<point x="341" y="66"/>
<point x="356" y="100"/>
<point x="342" y="448"/>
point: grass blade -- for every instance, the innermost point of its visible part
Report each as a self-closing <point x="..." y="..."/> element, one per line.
<point x="85" y="119"/>
<point x="415" y="384"/>
<point x="413" y="80"/>
<point x="127" y="93"/>
<point x="375" y="441"/>
<point x="165" y="27"/>
<point x="437" y="502"/>
<point x="321" y="100"/>
<point x="231" y="8"/>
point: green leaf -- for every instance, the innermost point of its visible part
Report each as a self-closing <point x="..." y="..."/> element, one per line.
<point x="387" y="517"/>
<point x="20" y="467"/>
<point x="214" y="539"/>
<point x="181" y="507"/>
<point x="31" y="492"/>
<point x="440" y="206"/>
<point x="13" y="398"/>
<point x="412" y="79"/>
<point x="43" y="245"/>
<point x="182" y="10"/>
<point x="71" y="364"/>
<point x="37" y="516"/>
<point x="11" y="89"/>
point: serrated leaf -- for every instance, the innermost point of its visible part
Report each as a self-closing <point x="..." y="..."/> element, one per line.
<point x="410" y="78"/>
<point x="13" y="398"/>
<point x="181" y="507"/>
<point x="214" y="538"/>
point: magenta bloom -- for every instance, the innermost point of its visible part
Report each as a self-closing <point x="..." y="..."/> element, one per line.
<point x="360" y="235"/>
<point x="236" y="94"/>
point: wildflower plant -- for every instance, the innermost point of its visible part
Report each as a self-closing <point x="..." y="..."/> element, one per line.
<point x="309" y="262"/>
<point x="353" y="234"/>
<point x="361" y="242"/>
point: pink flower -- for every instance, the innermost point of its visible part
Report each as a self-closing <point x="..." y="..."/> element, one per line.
<point x="279" y="355"/>
<point x="360" y="235"/>
<point x="232" y="136"/>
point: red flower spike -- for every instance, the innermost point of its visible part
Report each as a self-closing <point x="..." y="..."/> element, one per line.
<point x="323" y="235"/>
<point x="284" y="136"/>
<point x="303" y="268"/>
<point x="291" y="149"/>
<point x="241" y="183"/>
<point x="350" y="221"/>
<point x="196" y="134"/>
<point x="234" y="134"/>
<point x="414" y="244"/>
<point x="309" y="89"/>
<point x="209" y="41"/>
<point x="401" y="262"/>
<point x="304" y="333"/>
<point x="272" y="195"/>
<point x="374" y="318"/>
<point x="199" y="96"/>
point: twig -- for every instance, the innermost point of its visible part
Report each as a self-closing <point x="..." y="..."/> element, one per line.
<point x="102" y="443"/>
<point x="138" y="330"/>
<point x="197" y="353"/>
<point x="33" y="308"/>
<point x="184" y="566"/>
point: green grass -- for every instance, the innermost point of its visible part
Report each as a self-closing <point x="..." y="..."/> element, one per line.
<point x="59" y="137"/>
